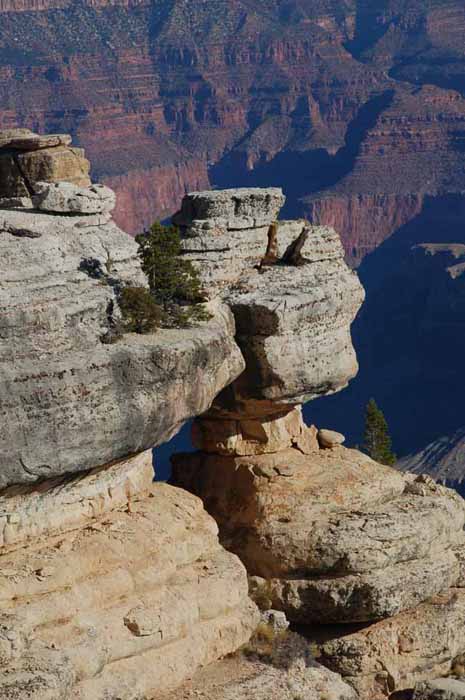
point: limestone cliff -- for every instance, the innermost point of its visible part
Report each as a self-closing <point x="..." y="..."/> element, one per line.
<point x="112" y="586"/>
<point x="115" y="587"/>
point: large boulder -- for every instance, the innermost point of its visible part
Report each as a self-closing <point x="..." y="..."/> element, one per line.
<point x="27" y="158"/>
<point x="68" y="401"/>
<point x="229" y="210"/>
<point x="330" y="535"/>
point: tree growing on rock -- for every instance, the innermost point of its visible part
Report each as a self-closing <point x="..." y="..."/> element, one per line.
<point x="377" y="442"/>
<point x="173" y="281"/>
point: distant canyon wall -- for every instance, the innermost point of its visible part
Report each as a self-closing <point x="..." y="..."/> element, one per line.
<point x="357" y="112"/>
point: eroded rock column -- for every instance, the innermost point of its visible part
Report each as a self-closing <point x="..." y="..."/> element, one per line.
<point x="327" y="535"/>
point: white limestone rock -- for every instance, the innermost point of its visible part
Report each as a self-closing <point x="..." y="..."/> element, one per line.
<point x="69" y="402"/>
<point x="26" y="140"/>
<point x="229" y="210"/>
<point x="330" y="438"/>
<point x="67" y="198"/>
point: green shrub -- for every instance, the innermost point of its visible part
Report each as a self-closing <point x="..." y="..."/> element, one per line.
<point x="141" y="314"/>
<point x="174" y="282"/>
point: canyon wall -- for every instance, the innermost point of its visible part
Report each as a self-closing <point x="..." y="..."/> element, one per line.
<point x="362" y="105"/>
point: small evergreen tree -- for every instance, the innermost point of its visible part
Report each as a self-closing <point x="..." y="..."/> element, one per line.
<point x="174" y="282"/>
<point x="141" y="314"/>
<point x="376" y="440"/>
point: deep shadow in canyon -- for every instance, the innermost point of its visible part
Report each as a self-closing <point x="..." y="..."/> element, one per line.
<point x="410" y="334"/>
<point x="298" y="171"/>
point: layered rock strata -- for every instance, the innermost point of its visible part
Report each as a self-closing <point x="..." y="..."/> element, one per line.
<point x="287" y="316"/>
<point x="69" y="400"/>
<point x="113" y="587"/>
<point x="109" y="586"/>
<point x="310" y="519"/>
<point x="327" y="535"/>
<point x="395" y="654"/>
<point x="27" y="158"/>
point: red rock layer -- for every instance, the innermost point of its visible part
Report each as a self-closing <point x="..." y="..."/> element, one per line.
<point x="365" y="220"/>
<point x="171" y="97"/>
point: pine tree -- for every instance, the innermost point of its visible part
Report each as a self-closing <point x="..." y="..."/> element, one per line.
<point x="140" y="312"/>
<point x="174" y="282"/>
<point x="376" y="440"/>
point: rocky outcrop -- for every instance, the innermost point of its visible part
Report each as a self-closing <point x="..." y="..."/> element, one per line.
<point x="66" y="198"/>
<point x="27" y="158"/>
<point x="326" y="534"/>
<point x="286" y="316"/>
<point x="395" y="654"/>
<point x="70" y="401"/>
<point x="329" y="536"/>
<point x="111" y="586"/>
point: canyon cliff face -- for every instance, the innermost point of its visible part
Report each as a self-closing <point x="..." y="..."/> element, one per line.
<point x="112" y="586"/>
<point x="115" y="587"/>
<point x="361" y="104"/>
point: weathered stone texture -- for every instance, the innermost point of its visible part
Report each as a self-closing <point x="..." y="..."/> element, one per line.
<point x="229" y="210"/>
<point x="129" y="603"/>
<point x="287" y="671"/>
<point x="64" y="197"/>
<point x="69" y="402"/>
<point x="395" y="654"/>
<point x="330" y="536"/>
<point x="440" y="689"/>
<point x="293" y="322"/>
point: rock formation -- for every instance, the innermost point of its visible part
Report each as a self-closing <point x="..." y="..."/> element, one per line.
<point x="113" y="587"/>
<point x="123" y="590"/>
<point x="173" y="99"/>
<point x="110" y="586"/>
<point x="326" y="534"/>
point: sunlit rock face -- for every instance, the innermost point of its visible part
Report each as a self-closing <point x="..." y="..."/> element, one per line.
<point x="113" y="586"/>
<point x="292" y="321"/>
<point x="69" y="401"/>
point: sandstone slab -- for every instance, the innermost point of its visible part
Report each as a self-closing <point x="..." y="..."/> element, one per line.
<point x="55" y="164"/>
<point x="26" y="140"/>
<point x="254" y="436"/>
<point x="233" y="209"/>
<point x="71" y="502"/>
<point x="66" y="198"/>
<point x="361" y="597"/>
